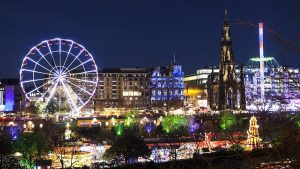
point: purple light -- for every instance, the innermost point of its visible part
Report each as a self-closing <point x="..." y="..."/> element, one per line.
<point x="193" y="126"/>
<point x="149" y="127"/>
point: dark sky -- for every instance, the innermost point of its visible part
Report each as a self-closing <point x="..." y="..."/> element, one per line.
<point x="129" y="33"/>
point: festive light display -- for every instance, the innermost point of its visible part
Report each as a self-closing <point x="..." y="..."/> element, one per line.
<point x="68" y="132"/>
<point x="59" y="65"/>
<point x="193" y="126"/>
<point x="168" y="84"/>
<point x="227" y="120"/>
<point x="149" y="127"/>
<point x="172" y="123"/>
<point x="119" y="129"/>
<point x="253" y="140"/>
<point x="130" y="119"/>
<point x="280" y="91"/>
<point x="264" y="59"/>
<point x="262" y="66"/>
<point x="298" y="123"/>
<point x="14" y="132"/>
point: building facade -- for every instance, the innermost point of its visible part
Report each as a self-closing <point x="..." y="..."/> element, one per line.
<point x="11" y="96"/>
<point x="133" y="88"/>
<point x="167" y="86"/>
<point x="123" y="87"/>
<point x="195" y="90"/>
<point x="281" y="86"/>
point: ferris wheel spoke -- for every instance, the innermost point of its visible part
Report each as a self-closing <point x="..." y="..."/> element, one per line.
<point x="69" y="96"/>
<point x="81" y="80"/>
<point x="78" y="97"/>
<point x="51" y="55"/>
<point x="82" y="89"/>
<point x="34" y="71"/>
<point x="39" y="87"/>
<point x="43" y="56"/>
<point x="35" y="80"/>
<point x="53" y="86"/>
<point x="68" y="54"/>
<point x="75" y="59"/>
<point x="38" y="64"/>
<point x="59" y="54"/>
<point x="80" y="65"/>
<point x="52" y="92"/>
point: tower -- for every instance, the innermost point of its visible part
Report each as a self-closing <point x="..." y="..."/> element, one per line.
<point x="227" y="79"/>
<point x="226" y="90"/>
<point x="226" y="54"/>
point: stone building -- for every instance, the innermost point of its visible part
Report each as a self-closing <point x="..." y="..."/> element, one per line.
<point x="226" y="90"/>
<point x="123" y="87"/>
<point x="167" y="86"/>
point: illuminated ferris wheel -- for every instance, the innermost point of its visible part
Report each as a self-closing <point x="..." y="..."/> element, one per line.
<point x="59" y="70"/>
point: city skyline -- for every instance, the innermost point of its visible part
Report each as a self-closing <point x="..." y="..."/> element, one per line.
<point x="166" y="84"/>
<point x="146" y="34"/>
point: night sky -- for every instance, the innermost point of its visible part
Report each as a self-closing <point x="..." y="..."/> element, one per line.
<point x="130" y="33"/>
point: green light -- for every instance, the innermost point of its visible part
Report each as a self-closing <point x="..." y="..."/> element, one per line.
<point x="130" y="119"/>
<point x="227" y="120"/>
<point x="119" y="129"/>
<point x="265" y="59"/>
<point x="172" y="123"/>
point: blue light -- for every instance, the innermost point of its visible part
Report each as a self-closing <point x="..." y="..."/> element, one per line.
<point x="167" y="86"/>
<point x="149" y="127"/>
<point x="13" y="132"/>
<point x="9" y="98"/>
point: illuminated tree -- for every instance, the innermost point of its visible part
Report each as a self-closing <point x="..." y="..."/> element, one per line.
<point x="32" y="108"/>
<point x="119" y="129"/>
<point x="130" y="119"/>
<point x="52" y="106"/>
<point x="227" y="120"/>
<point x="171" y="123"/>
<point x="32" y="147"/>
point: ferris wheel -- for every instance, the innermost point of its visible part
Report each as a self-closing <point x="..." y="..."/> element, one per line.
<point x="60" y="70"/>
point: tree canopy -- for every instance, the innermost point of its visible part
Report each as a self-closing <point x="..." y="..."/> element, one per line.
<point x="227" y="120"/>
<point x="127" y="147"/>
<point x="32" y="108"/>
<point x="172" y="123"/>
<point x="32" y="147"/>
